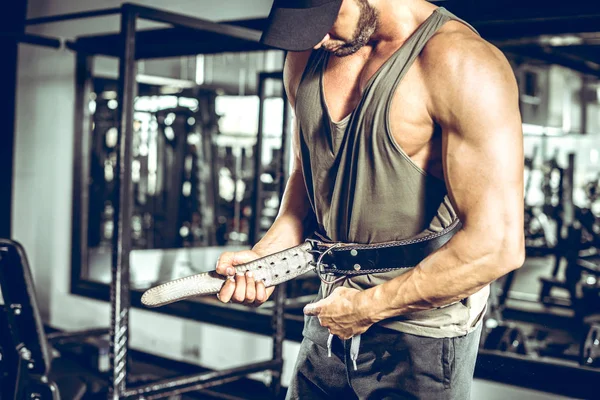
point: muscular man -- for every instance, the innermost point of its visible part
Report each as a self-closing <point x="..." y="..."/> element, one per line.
<point x="407" y="121"/>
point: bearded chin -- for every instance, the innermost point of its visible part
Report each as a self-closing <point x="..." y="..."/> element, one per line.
<point x="351" y="48"/>
<point x="366" y="26"/>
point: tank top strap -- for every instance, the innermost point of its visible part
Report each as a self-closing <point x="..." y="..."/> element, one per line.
<point x="400" y="62"/>
<point x="315" y="63"/>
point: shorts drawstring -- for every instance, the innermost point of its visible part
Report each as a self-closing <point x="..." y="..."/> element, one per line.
<point x="354" y="348"/>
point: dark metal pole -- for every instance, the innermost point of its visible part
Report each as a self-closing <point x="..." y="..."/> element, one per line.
<point x="284" y="156"/>
<point x="278" y="337"/>
<point x="13" y="20"/>
<point x="81" y="166"/>
<point x="28" y="38"/>
<point x="119" y="288"/>
<point x="185" y="21"/>
<point x="72" y="16"/>
<point x="281" y="291"/>
<point x="184" y="384"/>
<point x="584" y="103"/>
<point x="257" y="201"/>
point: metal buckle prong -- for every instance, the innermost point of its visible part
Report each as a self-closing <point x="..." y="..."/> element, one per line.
<point x="319" y="267"/>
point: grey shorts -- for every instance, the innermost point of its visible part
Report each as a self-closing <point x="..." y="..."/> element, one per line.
<point x="390" y="365"/>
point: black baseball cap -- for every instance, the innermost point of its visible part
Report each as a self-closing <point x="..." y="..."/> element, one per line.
<point x="298" y="25"/>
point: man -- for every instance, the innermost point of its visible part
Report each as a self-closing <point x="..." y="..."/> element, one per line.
<point x="407" y="122"/>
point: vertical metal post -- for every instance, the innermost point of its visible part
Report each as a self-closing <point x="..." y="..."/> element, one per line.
<point x="281" y="291"/>
<point x="81" y="166"/>
<point x="119" y="288"/>
<point x="254" y="231"/>
<point x="13" y="21"/>
<point x="585" y="80"/>
<point x="278" y="337"/>
<point x="285" y="134"/>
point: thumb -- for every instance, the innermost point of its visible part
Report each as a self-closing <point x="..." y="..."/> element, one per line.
<point x="243" y="257"/>
<point x="313" y="309"/>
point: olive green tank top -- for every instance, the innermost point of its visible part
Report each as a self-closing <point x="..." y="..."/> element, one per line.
<point x="362" y="186"/>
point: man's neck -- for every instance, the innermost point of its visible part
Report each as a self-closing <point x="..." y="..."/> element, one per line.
<point x="398" y="19"/>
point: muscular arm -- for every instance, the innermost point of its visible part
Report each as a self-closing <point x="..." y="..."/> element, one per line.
<point x="289" y="227"/>
<point x="475" y="101"/>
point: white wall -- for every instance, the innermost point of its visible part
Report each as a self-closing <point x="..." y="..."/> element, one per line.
<point x="43" y="182"/>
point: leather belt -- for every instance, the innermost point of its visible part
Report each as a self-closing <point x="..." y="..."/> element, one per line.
<point x="358" y="259"/>
<point x="327" y="259"/>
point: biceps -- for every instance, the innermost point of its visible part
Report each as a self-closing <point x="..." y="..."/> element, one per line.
<point x="484" y="176"/>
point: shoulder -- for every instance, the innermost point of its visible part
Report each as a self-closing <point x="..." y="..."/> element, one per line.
<point x="295" y="63"/>
<point x="458" y="62"/>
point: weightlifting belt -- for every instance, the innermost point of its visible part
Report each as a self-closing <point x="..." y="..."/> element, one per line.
<point x="326" y="258"/>
<point x="358" y="259"/>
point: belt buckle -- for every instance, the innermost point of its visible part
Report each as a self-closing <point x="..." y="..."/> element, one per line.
<point x="319" y="266"/>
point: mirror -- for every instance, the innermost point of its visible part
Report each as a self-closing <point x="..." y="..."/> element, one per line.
<point x="195" y="141"/>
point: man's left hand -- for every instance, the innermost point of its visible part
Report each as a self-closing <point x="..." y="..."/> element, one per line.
<point x="341" y="313"/>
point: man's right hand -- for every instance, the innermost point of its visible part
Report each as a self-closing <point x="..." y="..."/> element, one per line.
<point x="241" y="288"/>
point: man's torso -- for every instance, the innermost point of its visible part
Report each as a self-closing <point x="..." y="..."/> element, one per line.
<point x="413" y="128"/>
<point x="412" y="125"/>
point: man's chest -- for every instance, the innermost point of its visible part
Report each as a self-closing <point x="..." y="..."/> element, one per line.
<point x="411" y="126"/>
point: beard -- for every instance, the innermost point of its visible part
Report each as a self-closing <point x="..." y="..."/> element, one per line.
<point x="367" y="23"/>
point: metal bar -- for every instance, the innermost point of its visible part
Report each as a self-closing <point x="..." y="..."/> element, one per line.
<point x="285" y="151"/>
<point x="119" y="288"/>
<point x="272" y="75"/>
<point x="71" y="16"/>
<point x="169" y="387"/>
<point x="568" y="208"/>
<point x="584" y="104"/>
<point x="180" y="20"/>
<point x="8" y="372"/>
<point x="558" y="58"/>
<point x="547" y="20"/>
<point x="177" y="392"/>
<point x="29" y="38"/>
<point x="76" y="335"/>
<point x="533" y="372"/>
<point x="280" y="293"/>
<point x="12" y="20"/>
<point x="278" y="337"/>
<point x="81" y="167"/>
<point x="528" y="27"/>
<point x="254" y="231"/>
<point x="218" y="395"/>
<point x="71" y="45"/>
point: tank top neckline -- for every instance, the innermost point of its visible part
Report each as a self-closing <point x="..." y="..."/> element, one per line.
<point x="344" y="121"/>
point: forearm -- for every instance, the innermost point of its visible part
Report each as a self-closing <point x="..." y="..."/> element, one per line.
<point x="289" y="228"/>
<point x="459" y="269"/>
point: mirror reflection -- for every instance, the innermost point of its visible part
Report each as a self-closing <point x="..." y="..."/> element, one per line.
<point x="195" y="131"/>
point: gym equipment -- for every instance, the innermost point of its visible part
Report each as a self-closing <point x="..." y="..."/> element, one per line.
<point x="581" y="273"/>
<point x="506" y="338"/>
<point x="497" y="334"/>
<point x="590" y="348"/>
<point x="31" y="365"/>
<point x="185" y="36"/>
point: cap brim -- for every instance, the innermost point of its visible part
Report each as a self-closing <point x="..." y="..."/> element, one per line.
<point x="297" y="29"/>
